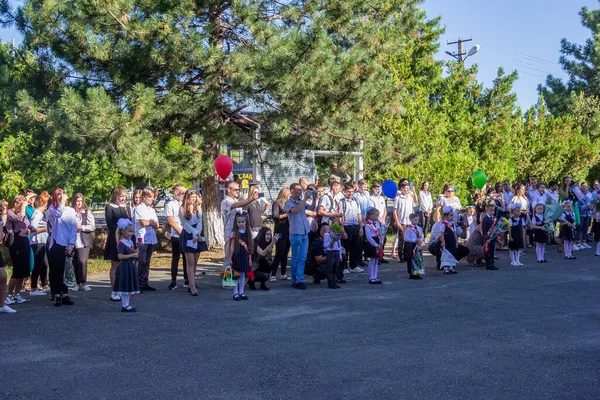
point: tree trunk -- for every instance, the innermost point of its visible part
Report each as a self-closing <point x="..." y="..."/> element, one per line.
<point x="213" y="221"/>
<point x="214" y="230"/>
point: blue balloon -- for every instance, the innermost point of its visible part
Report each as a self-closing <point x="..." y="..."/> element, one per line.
<point x="389" y="188"/>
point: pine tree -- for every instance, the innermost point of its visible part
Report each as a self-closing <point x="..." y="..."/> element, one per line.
<point x="137" y="74"/>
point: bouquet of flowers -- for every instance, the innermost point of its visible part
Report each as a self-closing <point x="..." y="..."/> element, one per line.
<point x="552" y="213"/>
<point x="336" y="231"/>
<point x="229" y="274"/>
<point x="502" y="225"/>
<point x="418" y="266"/>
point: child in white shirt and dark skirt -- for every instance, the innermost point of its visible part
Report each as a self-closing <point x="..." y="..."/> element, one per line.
<point x="413" y="237"/>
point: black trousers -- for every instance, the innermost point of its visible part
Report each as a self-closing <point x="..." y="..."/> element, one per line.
<point x="40" y="268"/>
<point x="424" y="222"/>
<point x="489" y="255"/>
<point x="176" y="252"/>
<point x="56" y="263"/>
<point x="352" y="244"/>
<point x="263" y="272"/>
<point x="282" y="249"/>
<point x="333" y="266"/>
<point x="80" y="260"/>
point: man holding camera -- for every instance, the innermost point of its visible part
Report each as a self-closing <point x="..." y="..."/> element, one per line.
<point x="296" y="207"/>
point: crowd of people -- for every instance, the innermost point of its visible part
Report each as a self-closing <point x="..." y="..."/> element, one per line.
<point x="331" y="232"/>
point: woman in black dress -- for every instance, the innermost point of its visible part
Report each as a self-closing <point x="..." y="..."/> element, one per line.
<point x="263" y="257"/>
<point x="115" y="210"/>
<point x="17" y="226"/>
<point x="282" y="228"/>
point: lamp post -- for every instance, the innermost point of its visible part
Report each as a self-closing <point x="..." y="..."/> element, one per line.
<point x="461" y="56"/>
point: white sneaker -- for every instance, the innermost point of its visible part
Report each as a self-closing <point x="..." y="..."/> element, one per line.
<point x="273" y="279"/>
<point x="75" y="289"/>
<point x="37" y="293"/>
<point x="9" y="300"/>
<point x="576" y="247"/>
<point x="587" y="246"/>
<point x="86" y="288"/>
<point x="346" y="271"/>
<point x="519" y="264"/>
<point x="70" y="284"/>
<point x="19" y="300"/>
<point x="357" y="269"/>
<point x="7" y="310"/>
<point x="512" y="264"/>
<point x="115" y="297"/>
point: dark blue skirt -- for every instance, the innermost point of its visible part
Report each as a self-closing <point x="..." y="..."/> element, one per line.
<point x="183" y="239"/>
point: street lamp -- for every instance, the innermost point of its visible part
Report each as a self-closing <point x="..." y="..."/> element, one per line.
<point x="473" y="50"/>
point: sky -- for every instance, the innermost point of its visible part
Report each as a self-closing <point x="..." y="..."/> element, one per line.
<point x="521" y="35"/>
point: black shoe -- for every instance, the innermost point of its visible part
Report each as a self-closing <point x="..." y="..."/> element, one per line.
<point x="57" y="301"/>
<point x="300" y="286"/>
<point x="147" y="288"/>
<point x="334" y="286"/>
<point x="544" y="261"/>
<point x="263" y="286"/>
<point x="413" y="277"/>
<point x="172" y="285"/>
<point x="251" y="285"/>
<point x="381" y="283"/>
<point x="453" y="271"/>
<point x="294" y="285"/>
<point x="341" y="281"/>
<point x="446" y="272"/>
<point x="128" y="309"/>
<point x="236" y="297"/>
<point x="383" y="261"/>
<point x="496" y="258"/>
<point x="571" y="258"/>
<point x="244" y="297"/>
<point x="67" y="301"/>
<point x="372" y="282"/>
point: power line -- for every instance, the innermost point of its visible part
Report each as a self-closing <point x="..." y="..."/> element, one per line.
<point x="536" y="59"/>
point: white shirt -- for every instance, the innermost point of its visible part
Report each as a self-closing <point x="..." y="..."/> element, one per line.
<point x="552" y="194"/>
<point x="88" y="226"/>
<point x="228" y="214"/>
<point x="425" y="201"/>
<point x="37" y="221"/>
<point x="404" y="206"/>
<point x="379" y="203"/>
<point x="364" y="202"/>
<point x="508" y="196"/>
<point x="351" y="209"/>
<point x="146" y="233"/>
<point x="64" y="225"/>
<point x="172" y="210"/>
<point x="188" y="224"/>
<point x="522" y="201"/>
<point x="436" y="231"/>
<point x="371" y="234"/>
<point x="410" y="236"/>
<point x="331" y="247"/>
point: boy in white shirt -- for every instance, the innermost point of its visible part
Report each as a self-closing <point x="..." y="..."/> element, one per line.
<point x="146" y="223"/>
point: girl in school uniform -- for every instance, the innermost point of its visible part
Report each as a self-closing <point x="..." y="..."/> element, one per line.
<point x="540" y="236"/>
<point x="517" y="233"/>
<point x="567" y="229"/>
<point x="373" y="245"/>
<point x="126" y="275"/>
<point x="413" y="237"/>
<point x="240" y="254"/>
<point x="448" y="237"/>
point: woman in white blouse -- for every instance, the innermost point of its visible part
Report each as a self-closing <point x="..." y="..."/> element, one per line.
<point x="191" y="235"/>
<point x="425" y="207"/>
<point x="448" y="199"/>
<point x="38" y="240"/>
<point x="86" y="225"/>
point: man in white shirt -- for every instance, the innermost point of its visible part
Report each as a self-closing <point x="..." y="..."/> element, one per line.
<point x="404" y="205"/>
<point x="507" y="193"/>
<point x="229" y="207"/>
<point x="172" y="210"/>
<point x="328" y="206"/>
<point x="146" y="223"/>
<point x="352" y="220"/>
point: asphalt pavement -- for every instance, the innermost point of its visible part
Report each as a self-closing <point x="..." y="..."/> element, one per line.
<point x="530" y="332"/>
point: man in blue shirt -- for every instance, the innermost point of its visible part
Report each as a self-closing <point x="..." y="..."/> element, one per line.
<point x="299" y="227"/>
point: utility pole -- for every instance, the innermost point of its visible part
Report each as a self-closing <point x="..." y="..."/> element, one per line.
<point x="460" y="55"/>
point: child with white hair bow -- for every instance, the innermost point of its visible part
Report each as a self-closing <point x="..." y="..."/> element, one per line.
<point x="126" y="276"/>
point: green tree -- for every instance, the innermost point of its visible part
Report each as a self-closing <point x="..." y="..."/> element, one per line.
<point x="581" y="63"/>
<point x="137" y="74"/>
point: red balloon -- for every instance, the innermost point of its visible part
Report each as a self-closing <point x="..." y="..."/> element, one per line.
<point x="223" y="166"/>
